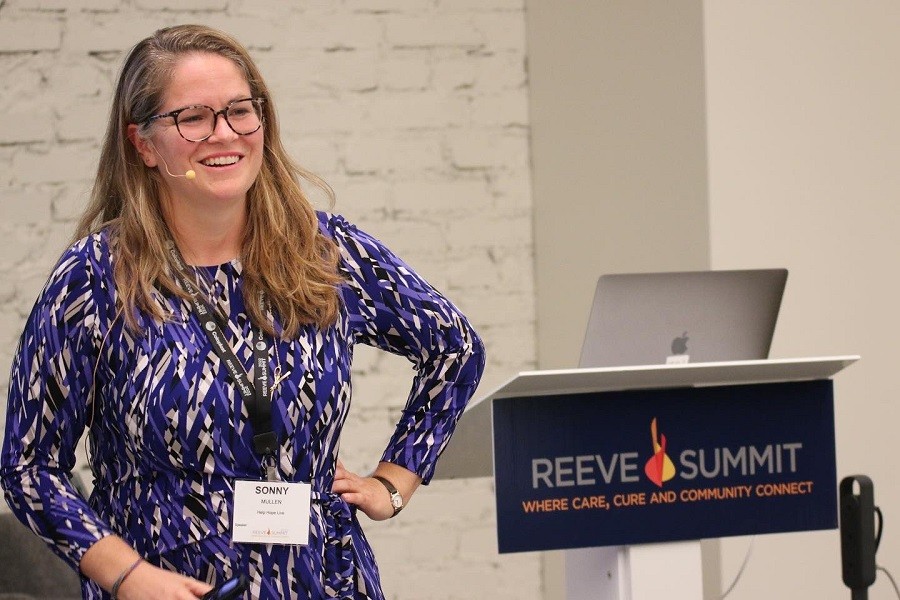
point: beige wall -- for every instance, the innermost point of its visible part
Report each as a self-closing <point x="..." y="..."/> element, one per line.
<point x="804" y="155"/>
<point x="618" y="144"/>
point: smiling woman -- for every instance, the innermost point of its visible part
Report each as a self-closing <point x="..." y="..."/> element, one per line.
<point x="138" y="184"/>
<point x="190" y="136"/>
<point x="200" y="329"/>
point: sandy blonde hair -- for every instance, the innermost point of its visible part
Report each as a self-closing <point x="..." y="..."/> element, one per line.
<point x="284" y="255"/>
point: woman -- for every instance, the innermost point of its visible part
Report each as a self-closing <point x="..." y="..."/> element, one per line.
<point x="201" y="329"/>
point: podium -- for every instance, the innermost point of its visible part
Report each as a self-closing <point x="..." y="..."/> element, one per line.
<point x="627" y="468"/>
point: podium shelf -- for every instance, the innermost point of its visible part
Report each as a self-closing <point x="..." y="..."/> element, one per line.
<point x="470" y="451"/>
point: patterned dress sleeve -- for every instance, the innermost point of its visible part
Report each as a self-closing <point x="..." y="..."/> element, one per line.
<point x="48" y="408"/>
<point x="393" y="308"/>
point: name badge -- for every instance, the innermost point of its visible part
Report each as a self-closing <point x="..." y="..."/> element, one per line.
<point x="271" y="512"/>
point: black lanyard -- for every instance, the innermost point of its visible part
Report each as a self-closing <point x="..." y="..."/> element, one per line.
<point x="257" y="394"/>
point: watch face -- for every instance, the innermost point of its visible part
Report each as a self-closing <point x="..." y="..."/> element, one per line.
<point x="396" y="501"/>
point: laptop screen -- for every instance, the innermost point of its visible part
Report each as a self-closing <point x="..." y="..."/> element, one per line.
<point x="695" y="316"/>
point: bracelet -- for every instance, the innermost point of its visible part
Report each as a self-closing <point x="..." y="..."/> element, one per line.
<point x="115" y="587"/>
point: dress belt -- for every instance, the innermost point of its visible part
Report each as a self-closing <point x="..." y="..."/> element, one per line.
<point x="337" y="547"/>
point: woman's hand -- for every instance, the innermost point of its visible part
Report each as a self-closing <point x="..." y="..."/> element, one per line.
<point x="367" y="494"/>
<point x="147" y="582"/>
<point x="110" y="557"/>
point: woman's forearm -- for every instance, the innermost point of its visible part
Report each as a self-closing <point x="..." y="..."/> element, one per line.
<point x="107" y="559"/>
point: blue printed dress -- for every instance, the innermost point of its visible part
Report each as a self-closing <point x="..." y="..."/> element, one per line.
<point x="169" y="434"/>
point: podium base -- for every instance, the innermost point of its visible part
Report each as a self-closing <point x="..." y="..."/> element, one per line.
<point x="673" y="571"/>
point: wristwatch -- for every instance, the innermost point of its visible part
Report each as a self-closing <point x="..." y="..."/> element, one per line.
<point x="396" y="498"/>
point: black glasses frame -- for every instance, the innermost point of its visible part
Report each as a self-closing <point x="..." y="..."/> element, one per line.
<point x="224" y="112"/>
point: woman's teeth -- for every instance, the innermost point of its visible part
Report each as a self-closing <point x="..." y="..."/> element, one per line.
<point x="221" y="161"/>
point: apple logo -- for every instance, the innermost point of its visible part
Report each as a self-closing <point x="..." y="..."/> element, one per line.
<point x="679" y="344"/>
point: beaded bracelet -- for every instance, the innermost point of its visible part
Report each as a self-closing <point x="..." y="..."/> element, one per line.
<point x="115" y="587"/>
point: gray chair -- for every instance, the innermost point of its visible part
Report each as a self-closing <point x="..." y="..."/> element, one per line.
<point x="28" y="568"/>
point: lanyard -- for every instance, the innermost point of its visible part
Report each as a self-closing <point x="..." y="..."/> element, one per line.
<point x="256" y="395"/>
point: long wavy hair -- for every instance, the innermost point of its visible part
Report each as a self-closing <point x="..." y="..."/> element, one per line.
<point x="285" y="257"/>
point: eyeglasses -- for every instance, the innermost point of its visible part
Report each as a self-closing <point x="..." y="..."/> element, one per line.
<point x="197" y="122"/>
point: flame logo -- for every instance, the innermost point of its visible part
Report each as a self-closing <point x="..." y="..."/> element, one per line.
<point x="660" y="467"/>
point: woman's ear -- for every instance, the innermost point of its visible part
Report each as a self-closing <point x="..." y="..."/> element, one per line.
<point x="142" y="145"/>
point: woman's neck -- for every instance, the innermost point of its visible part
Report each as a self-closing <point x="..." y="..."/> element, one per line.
<point x="204" y="237"/>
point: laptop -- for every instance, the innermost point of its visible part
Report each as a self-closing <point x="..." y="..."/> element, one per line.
<point x="681" y="317"/>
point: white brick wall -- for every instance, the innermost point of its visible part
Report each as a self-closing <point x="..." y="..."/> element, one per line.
<point x="414" y="110"/>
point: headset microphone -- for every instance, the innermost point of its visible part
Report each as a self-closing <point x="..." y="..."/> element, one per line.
<point x="190" y="174"/>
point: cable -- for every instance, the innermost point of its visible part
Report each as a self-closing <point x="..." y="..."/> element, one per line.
<point x="878" y="543"/>
<point x="891" y="577"/>
<point x="880" y="527"/>
<point x="740" y="571"/>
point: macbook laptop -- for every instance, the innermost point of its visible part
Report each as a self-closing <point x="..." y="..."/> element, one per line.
<point x="696" y="316"/>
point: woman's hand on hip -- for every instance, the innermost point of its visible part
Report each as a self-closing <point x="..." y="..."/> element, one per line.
<point x="366" y="493"/>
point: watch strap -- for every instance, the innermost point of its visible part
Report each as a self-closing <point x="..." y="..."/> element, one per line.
<point x="396" y="497"/>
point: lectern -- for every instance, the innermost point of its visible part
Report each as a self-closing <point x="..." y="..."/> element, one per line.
<point x="628" y="468"/>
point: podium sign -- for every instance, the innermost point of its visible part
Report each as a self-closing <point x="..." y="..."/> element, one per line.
<point x="653" y="465"/>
